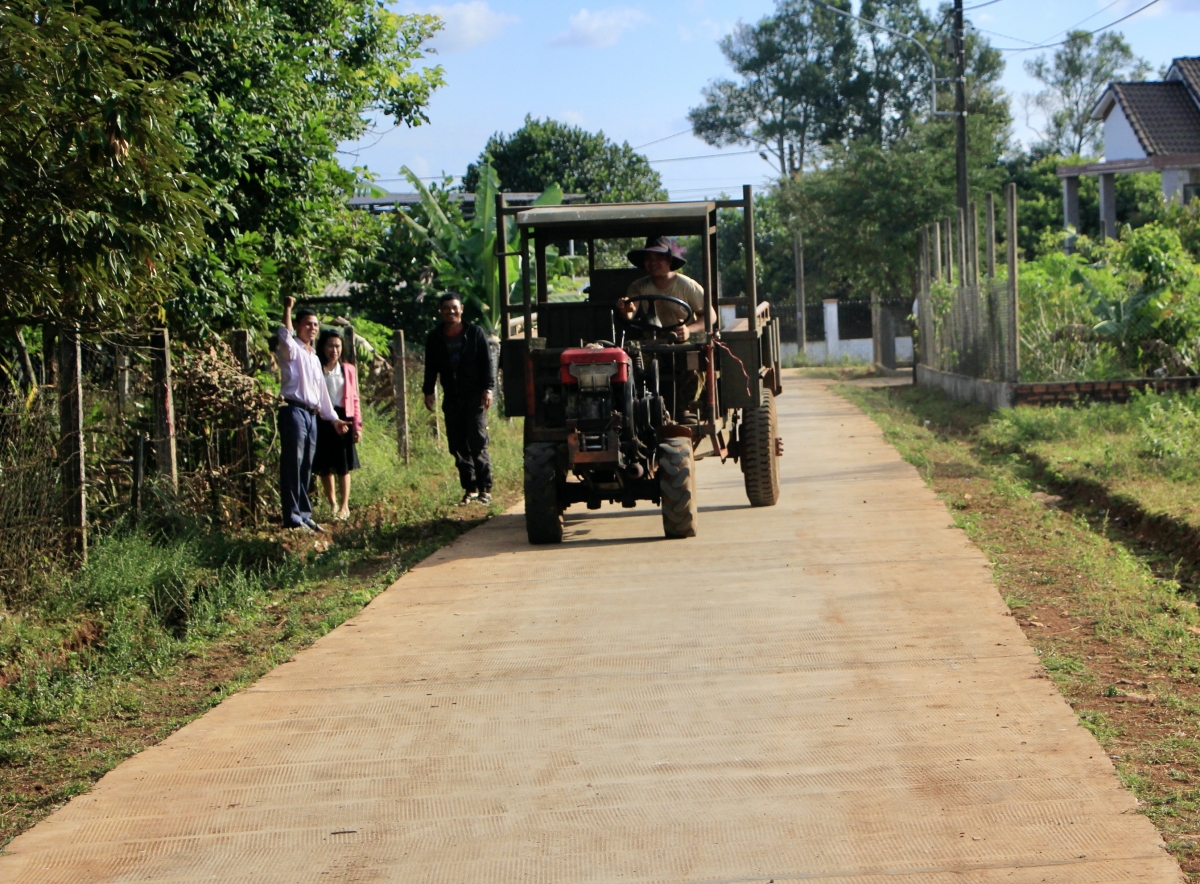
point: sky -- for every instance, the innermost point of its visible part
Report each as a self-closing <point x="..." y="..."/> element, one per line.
<point x="634" y="69"/>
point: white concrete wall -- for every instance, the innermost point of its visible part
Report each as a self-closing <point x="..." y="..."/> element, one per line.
<point x="1120" y="142"/>
<point x="854" y="349"/>
<point x="1174" y="179"/>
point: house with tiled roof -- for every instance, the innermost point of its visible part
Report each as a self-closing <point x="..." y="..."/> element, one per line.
<point x="1148" y="127"/>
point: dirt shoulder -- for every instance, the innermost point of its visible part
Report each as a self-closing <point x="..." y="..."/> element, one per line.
<point x="1117" y="632"/>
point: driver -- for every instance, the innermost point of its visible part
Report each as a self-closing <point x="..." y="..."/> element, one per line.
<point x="660" y="259"/>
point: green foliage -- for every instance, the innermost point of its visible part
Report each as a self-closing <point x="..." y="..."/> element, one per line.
<point x="97" y="210"/>
<point x="462" y="252"/>
<point x="1080" y="71"/>
<point x="1169" y="430"/>
<point x="860" y="211"/>
<point x="796" y="69"/>
<point x="545" y="153"/>
<point x="277" y="85"/>
<point x="1110" y="310"/>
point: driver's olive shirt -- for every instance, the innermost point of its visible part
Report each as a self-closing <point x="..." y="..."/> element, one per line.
<point x="669" y="314"/>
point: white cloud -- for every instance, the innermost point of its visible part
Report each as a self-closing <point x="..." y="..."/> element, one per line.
<point x="575" y="118"/>
<point x="468" y="25"/>
<point x="602" y="28"/>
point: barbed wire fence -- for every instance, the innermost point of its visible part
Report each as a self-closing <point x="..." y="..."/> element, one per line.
<point x="967" y="323"/>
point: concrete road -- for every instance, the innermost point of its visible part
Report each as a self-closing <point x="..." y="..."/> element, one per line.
<point x="827" y="690"/>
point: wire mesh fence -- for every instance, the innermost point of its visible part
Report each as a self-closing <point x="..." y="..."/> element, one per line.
<point x="967" y="316"/>
<point x="162" y="431"/>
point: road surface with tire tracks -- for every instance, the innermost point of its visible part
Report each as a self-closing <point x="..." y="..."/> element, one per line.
<point x="830" y="689"/>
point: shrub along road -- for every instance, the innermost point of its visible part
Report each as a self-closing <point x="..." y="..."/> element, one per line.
<point x="829" y="688"/>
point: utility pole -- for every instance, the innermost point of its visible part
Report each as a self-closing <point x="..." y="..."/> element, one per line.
<point x="960" y="107"/>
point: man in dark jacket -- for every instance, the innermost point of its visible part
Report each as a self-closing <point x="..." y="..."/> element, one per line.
<point x="458" y="353"/>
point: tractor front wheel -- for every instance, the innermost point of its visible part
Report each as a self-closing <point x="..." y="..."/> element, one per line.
<point x="543" y="515"/>
<point x="760" y="458"/>
<point x="677" y="487"/>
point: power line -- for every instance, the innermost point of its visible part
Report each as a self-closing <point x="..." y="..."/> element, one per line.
<point x="667" y="138"/>
<point x="707" y="156"/>
<point x="1061" y="42"/>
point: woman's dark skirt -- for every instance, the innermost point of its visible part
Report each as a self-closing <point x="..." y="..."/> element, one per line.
<point x="336" y="454"/>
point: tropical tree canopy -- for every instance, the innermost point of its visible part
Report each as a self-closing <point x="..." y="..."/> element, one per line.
<point x="543" y="153"/>
<point x="97" y="209"/>
<point x="1074" y="79"/>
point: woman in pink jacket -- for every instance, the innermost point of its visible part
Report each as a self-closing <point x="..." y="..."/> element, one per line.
<point x="337" y="455"/>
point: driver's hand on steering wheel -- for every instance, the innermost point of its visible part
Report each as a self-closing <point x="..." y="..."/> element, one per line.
<point x="625" y="308"/>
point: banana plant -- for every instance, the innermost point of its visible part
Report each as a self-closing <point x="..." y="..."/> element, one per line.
<point x="463" y="252"/>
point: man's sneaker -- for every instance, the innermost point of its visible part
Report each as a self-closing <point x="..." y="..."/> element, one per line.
<point x="313" y="526"/>
<point x="468" y="498"/>
<point x="484" y="498"/>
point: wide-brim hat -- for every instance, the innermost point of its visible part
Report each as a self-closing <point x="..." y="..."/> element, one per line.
<point x="659" y="245"/>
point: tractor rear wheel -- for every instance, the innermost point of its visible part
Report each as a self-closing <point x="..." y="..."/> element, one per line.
<point x="677" y="487"/>
<point x="760" y="463"/>
<point x="543" y="515"/>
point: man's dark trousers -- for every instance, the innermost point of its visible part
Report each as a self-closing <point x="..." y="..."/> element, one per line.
<point x="297" y="447"/>
<point x="466" y="431"/>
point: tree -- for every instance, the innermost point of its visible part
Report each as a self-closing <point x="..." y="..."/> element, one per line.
<point x="861" y="210"/>
<point x="890" y="92"/>
<point x="543" y="153"/>
<point x="796" y="68"/>
<point x="1076" y="78"/>
<point x="97" y="211"/>
<point x="277" y="85"/>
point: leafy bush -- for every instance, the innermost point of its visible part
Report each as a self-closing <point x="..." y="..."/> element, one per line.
<point x="1169" y="430"/>
<point x="1129" y="308"/>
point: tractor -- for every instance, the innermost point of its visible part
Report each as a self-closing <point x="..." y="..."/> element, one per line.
<point x="601" y="394"/>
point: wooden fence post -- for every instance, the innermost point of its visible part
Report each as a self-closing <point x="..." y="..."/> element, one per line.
<point x="400" y="388"/>
<point x="349" y="350"/>
<point x="240" y="343"/>
<point x="801" y="315"/>
<point x="139" y="475"/>
<point x="1014" y="319"/>
<point x="71" y="451"/>
<point x="164" y="407"/>
<point x="990" y="232"/>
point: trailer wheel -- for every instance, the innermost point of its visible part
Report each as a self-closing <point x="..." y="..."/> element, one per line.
<point x="543" y="515"/>
<point x="677" y="487"/>
<point x="760" y="462"/>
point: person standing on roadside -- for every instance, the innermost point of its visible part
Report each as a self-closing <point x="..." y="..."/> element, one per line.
<point x="306" y="396"/>
<point x="457" y="352"/>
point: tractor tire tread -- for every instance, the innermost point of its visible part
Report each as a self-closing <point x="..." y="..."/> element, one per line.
<point x="760" y="465"/>
<point x="677" y="488"/>
<point x="543" y="515"/>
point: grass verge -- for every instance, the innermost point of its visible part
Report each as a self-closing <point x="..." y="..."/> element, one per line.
<point x="157" y="628"/>
<point x="1119" y="637"/>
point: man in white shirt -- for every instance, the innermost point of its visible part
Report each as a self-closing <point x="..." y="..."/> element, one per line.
<point x="303" y="389"/>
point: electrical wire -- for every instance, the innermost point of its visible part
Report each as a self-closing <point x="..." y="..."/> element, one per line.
<point x="667" y="138"/>
<point x="1061" y="42"/>
<point x="707" y="156"/>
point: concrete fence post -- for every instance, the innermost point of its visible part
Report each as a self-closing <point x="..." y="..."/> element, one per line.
<point x="71" y="446"/>
<point x="1013" y="375"/>
<point x="831" y="329"/>
<point x="164" y="407"/>
<point x="400" y="391"/>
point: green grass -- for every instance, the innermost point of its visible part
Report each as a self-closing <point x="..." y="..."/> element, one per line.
<point x="1118" y="636"/>
<point x="160" y="624"/>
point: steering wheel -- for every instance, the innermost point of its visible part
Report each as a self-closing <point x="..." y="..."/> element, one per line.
<point x="645" y="326"/>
